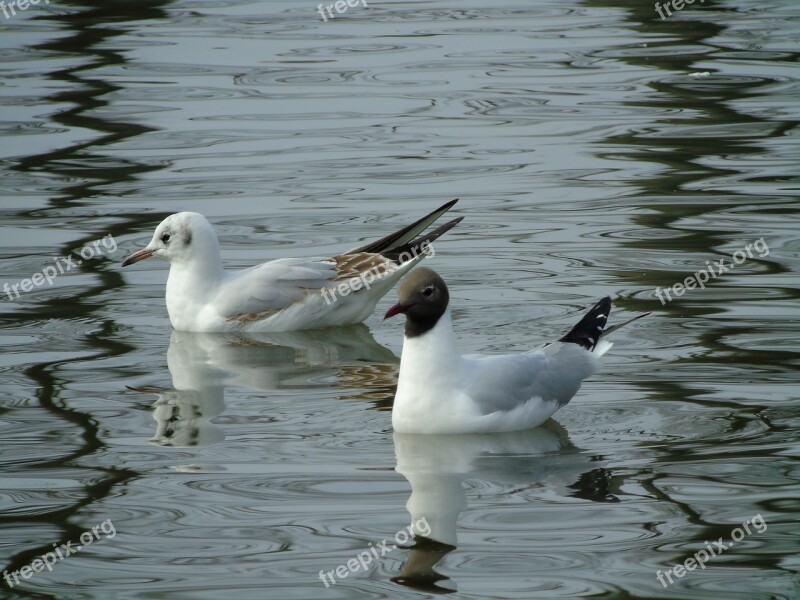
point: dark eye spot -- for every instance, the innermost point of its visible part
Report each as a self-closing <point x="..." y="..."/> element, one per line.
<point x="165" y="238"/>
<point x="427" y="291"/>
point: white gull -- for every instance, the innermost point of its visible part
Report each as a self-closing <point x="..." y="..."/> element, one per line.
<point x="281" y="295"/>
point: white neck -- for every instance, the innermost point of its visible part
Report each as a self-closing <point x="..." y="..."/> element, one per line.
<point x="191" y="284"/>
<point x="431" y="357"/>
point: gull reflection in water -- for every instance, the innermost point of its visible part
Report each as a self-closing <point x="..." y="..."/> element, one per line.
<point x="203" y="364"/>
<point x="436" y="466"/>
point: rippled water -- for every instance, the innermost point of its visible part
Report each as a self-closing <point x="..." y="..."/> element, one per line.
<point x="596" y="149"/>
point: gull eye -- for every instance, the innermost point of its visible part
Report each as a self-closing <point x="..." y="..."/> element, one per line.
<point x="428" y="290"/>
<point x="165" y="238"/>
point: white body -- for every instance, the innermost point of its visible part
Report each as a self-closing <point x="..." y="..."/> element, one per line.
<point x="217" y="297"/>
<point x="441" y="391"/>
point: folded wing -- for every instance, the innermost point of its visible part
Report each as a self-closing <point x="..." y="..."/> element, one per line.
<point x="501" y="383"/>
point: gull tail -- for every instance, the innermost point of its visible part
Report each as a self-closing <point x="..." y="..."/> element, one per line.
<point x="589" y="329"/>
<point x="397" y="242"/>
<point x="593" y="325"/>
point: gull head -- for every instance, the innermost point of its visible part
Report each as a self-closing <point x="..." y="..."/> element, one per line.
<point x="181" y="237"/>
<point x="423" y="299"/>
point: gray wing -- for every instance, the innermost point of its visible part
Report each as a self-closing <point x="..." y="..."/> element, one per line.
<point x="276" y="285"/>
<point x="506" y="381"/>
<point x="272" y="286"/>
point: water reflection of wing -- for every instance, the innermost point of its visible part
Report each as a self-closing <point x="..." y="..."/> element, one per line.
<point x="436" y="466"/>
<point x="202" y="365"/>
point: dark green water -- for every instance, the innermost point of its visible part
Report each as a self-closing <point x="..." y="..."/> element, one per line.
<point x="596" y="149"/>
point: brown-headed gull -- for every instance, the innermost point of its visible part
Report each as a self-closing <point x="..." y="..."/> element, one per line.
<point x="441" y="391"/>
<point x="281" y="295"/>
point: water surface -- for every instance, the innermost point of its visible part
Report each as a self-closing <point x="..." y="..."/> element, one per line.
<point x="596" y="149"/>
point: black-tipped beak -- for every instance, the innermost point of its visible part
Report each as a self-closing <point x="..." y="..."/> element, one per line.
<point x="142" y="254"/>
<point x="397" y="309"/>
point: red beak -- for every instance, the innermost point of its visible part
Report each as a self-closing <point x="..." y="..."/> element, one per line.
<point x="142" y="254"/>
<point x="397" y="309"/>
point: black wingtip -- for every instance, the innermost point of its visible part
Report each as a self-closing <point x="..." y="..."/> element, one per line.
<point x="414" y="247"/>
<point x="405" y="236"/>
<point x="589" y="329"/>
<point x="448" y="205"/>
